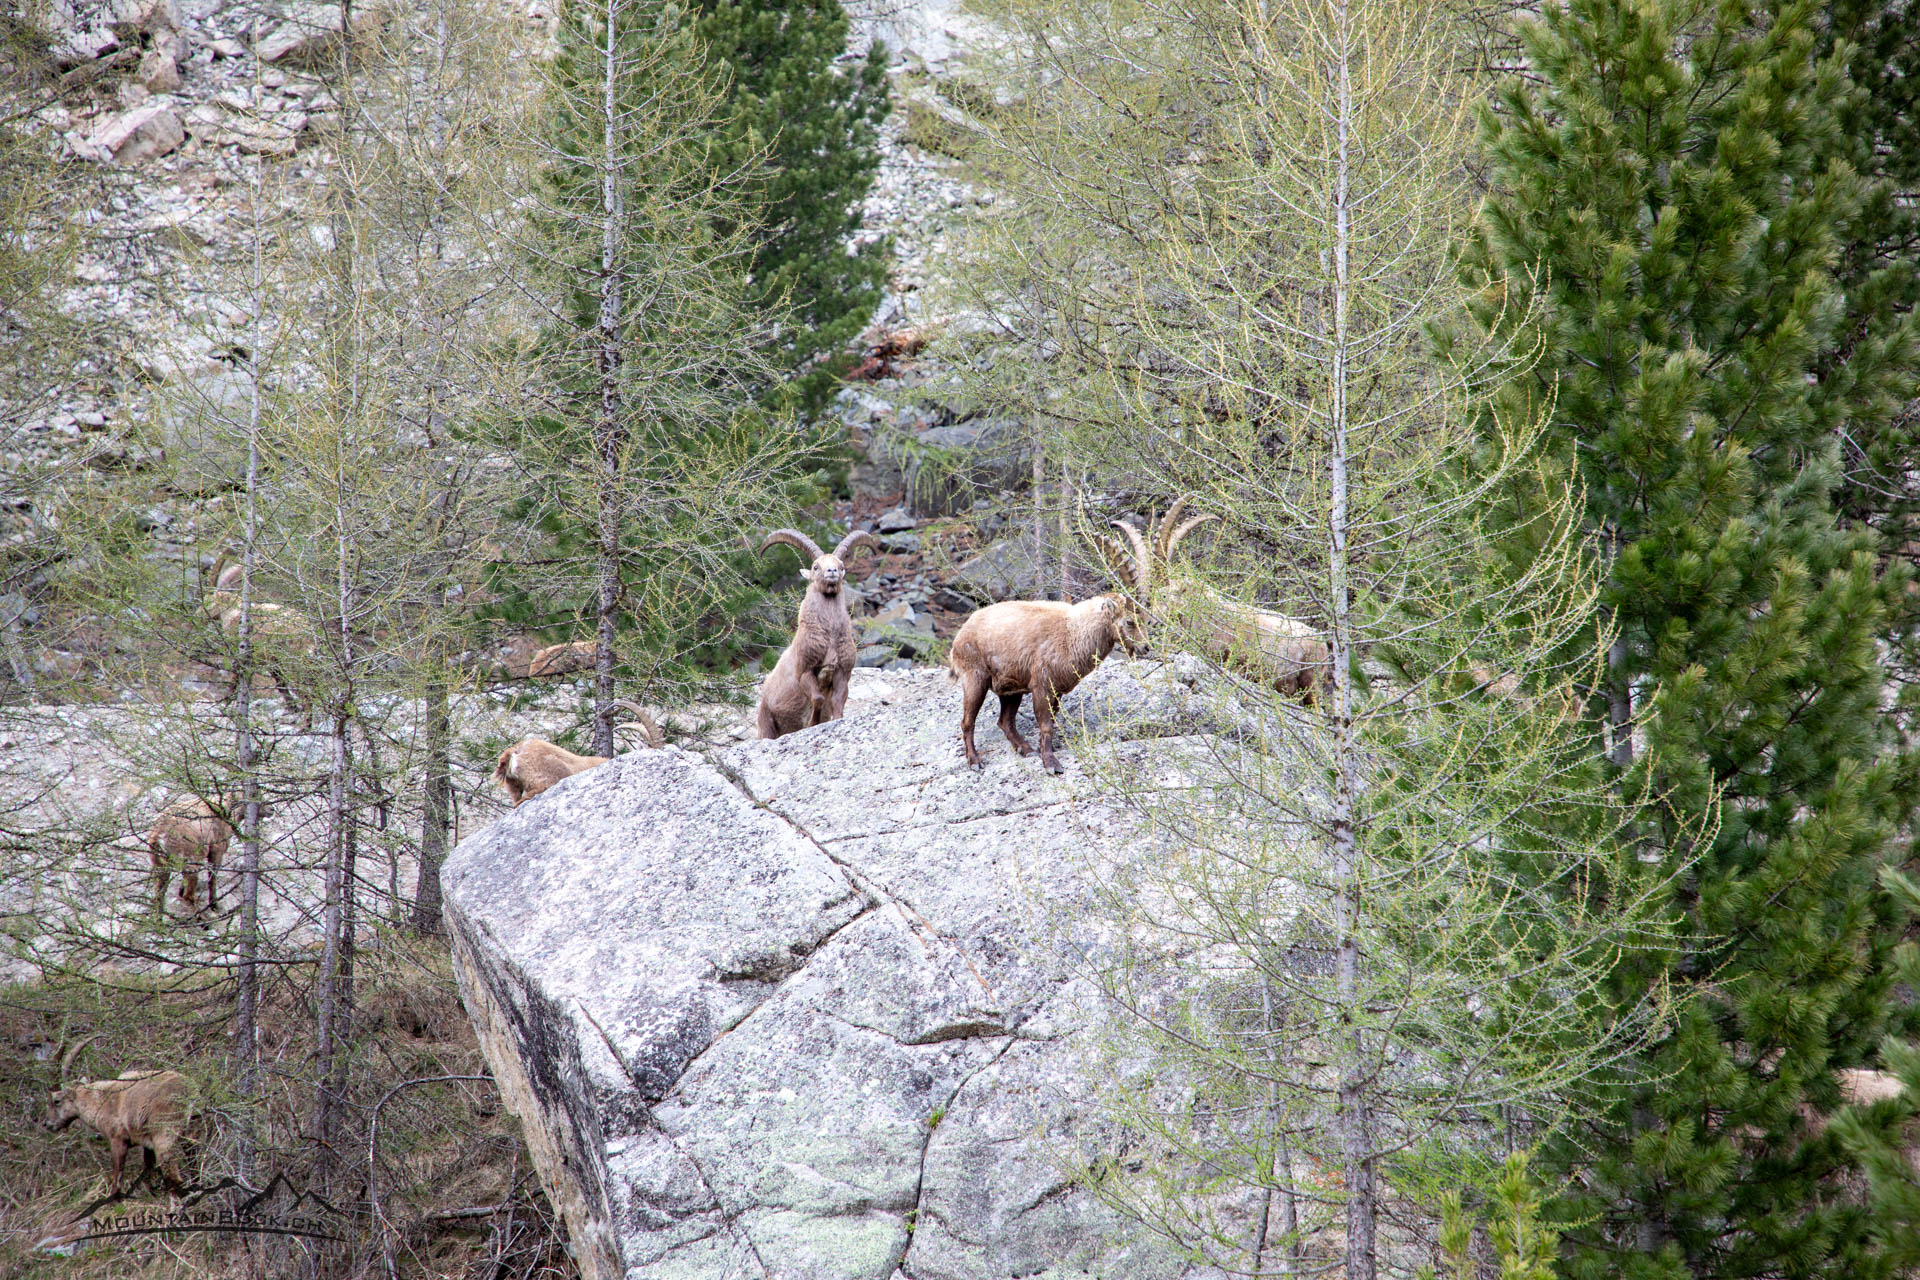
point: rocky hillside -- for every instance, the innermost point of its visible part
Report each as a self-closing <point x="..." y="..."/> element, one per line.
<point x="175" y="107"/>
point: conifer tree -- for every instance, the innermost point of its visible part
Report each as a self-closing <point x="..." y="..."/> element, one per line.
<point x="806" y="119"/>
<point x="1670" y="195"/>
<point x="634" y="416"/>
<point x="1224" y="233"/>
<point x="1878" y="271"/>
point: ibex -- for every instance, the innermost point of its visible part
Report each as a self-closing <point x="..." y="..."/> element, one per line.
<point x="145" y="1109"/>
<point x="532" y="765"/>
<point x="1283" y="652"/>
<point x="808" y="686"/>
<point x="188" y="832"/>
<point x="1041" y="647"/>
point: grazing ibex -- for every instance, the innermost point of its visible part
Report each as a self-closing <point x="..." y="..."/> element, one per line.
<point x="272" y="627"/>
<point x="1041" y="647"/>
<point x="532" y="765"/>
<point x="808" y="686"/>
<point x="145" y="1109"/>
<point x="188" y="832"/>
<point x="1283" y="652"/>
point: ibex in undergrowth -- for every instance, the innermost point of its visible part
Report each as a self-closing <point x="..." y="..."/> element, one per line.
<point x="808" y="686"/>
<point x="145" y="1109"/>
<point x="1273" y="648"/>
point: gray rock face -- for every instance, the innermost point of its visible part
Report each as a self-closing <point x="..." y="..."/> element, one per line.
<point x="949" y="467"/>
<point x="780" y="1013"/>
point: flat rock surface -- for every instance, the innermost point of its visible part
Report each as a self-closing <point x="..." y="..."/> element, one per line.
<point x="784" y="1010"/>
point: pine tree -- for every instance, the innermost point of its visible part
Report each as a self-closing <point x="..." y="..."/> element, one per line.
<point x="1670" y="189"/>
<point x="1870" y="373"/>
<point x="807" y="119"/>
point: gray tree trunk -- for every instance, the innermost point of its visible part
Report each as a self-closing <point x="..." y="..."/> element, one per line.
<point x="609" y="428"/>
<point x="436" y="809"/>
<point x="1354" y="1118"/>
<point x="246" y="1004"/>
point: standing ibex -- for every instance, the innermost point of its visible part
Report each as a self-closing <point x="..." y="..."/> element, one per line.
<point x="1270" y="647"/>
<point x="1041" y="647"/>
<point x="808" y="686"/>
<point x="145" y="1109"/>
<point x="188" y="832"/>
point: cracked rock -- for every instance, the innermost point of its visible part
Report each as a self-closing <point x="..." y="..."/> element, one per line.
<point x="785" y="1012"/>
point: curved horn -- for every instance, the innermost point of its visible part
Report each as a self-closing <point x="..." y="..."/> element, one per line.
<point x="1141" y="565"/>
<point x="648" y="724"/>
<point x="66" y="1063"/>
<point x="797" y="540"/>
<point x="1119" y="560"/>
<point x="1172" y="540"/>
<point x="858" y="538"/>
<point x="1158" y="529"/>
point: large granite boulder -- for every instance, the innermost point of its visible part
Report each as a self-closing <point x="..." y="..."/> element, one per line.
<point x="790" y="1011"/>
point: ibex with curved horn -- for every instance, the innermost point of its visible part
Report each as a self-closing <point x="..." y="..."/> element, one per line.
<point x="1270" y="647"/>
<point x="808" y="686"/>
<point x="145" y="1109"/>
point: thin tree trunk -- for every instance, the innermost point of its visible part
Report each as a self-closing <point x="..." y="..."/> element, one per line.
<point x="330" y="1016"/>
<point x="1356" y="1139"/>
<point x="609" y="430"/>
<point x="1066" y="531"/>
<point x="1280" y="1172"/>
<point x="436" y="804"/>
<point x="1619" y="687"/>
<point x="246" y="1050"/>
<point x="1039" y="513"/>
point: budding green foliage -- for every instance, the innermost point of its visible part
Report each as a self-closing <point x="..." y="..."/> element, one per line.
<point x="1671" y="196"/>
<point x="1352" y="933"/>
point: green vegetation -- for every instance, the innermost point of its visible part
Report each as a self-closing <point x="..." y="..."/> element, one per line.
<point x="802" y="127"/>
<point x="1670" y="198"/>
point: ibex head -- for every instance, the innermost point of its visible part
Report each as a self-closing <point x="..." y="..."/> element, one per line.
<point x="62" y="1109"/>
<point x="826" y="572"/>
<point x="1142" y="560"/>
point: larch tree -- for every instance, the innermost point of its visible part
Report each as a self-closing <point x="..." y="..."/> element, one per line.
<point x="1672" y="198"/>
<point x="1363" y="945"/>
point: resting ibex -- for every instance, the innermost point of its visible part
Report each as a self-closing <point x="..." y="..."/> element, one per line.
<point x="532" y="765"/>
<point x="1041" y="647"/>
<point x="1283" y="652"/>
<point x="272" y="626"/>
<point x="808" y="686"/>
<point x="145" y="1109"/>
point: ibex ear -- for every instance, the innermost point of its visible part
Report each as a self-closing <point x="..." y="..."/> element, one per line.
<point x="806" y="575"/>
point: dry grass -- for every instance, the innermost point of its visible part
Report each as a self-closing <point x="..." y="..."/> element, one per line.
<point x="449" y="1171"/>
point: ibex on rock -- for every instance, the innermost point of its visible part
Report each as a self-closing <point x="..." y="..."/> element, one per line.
<point x="808" y="686"/>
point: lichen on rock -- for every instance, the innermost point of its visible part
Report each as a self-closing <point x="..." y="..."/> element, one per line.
<point x="784" y="1011"/>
